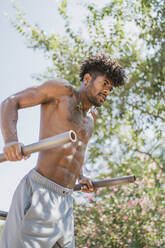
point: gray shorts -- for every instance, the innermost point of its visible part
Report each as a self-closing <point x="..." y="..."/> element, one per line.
<point x="40" y="215"/>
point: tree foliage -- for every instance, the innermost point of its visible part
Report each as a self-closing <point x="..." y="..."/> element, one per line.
<point x="129" y="134"/>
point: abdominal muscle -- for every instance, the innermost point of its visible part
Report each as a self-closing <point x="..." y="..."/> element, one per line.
<point x="61" y="165"/>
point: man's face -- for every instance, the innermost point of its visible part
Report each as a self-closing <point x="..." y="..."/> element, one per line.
<point x="98" y="89"/>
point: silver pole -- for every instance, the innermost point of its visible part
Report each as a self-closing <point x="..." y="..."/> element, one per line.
<point x="3" y="215"/>
<point x="109" y="182"/>
<point x="97" y="184"/>
<point x="48" y="143"/>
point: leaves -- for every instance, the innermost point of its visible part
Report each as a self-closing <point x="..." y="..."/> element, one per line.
<point x="130" y="123"/>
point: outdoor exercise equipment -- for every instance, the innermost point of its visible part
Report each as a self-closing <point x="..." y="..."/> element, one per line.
<point x="97" y="184"/>
<point x="109" y="182"/>
<point x="56" y="141"/>
<point x="48" y="143"/>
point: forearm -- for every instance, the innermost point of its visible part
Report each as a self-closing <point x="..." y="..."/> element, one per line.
<point x="8" y="120"/>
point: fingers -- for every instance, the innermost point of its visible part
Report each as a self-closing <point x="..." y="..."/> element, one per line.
<point x="18" y="152"/>
<point x="88" y="185"/>
<point x="26" y="157"/>
<point x="13" y="151"/>
<point x="86" y="189"/>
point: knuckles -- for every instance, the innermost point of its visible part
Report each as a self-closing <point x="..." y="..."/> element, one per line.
<point x="88" y="186"/>
<point x="12" y="151"/>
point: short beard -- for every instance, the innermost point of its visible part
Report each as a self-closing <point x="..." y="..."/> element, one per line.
<point x="94" y="101"/>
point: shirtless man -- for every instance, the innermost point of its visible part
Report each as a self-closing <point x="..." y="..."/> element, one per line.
<point x="41" y="211"/>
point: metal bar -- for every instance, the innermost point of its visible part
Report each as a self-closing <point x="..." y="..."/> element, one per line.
<point x="109" y="182"/>
<point x="3" y="215"/>
<point x="97" y="184"/>
<point x="48" y="143"/>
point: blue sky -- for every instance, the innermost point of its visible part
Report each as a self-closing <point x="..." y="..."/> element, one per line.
<point x="17" y="64"/>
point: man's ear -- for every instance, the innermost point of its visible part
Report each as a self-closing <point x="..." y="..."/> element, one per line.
<point x="87" y="78"/>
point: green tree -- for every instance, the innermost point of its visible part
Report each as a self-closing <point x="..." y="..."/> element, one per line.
<point x="129" y="133"/>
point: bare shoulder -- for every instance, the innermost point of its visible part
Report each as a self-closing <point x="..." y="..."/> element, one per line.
<point x="57" y="88"/>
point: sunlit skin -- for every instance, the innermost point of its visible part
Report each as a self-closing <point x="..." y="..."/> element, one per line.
<point x="60" y="112"/>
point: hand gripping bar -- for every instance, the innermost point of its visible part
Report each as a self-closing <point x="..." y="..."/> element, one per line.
<point x="48" y="143"/>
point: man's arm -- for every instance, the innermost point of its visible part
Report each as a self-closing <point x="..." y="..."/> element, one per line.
<point x="88" y="188"/>
<point x="33" y="96"/>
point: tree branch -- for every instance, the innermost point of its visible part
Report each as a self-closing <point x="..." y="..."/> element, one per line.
<point x="150" y="155"/>
<point x="146" y="112"/>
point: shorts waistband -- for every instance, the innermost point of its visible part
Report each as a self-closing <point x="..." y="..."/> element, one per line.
<point x="47" y="183"/>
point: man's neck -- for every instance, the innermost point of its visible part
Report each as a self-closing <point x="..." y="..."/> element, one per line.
<point x="83" y="102"/>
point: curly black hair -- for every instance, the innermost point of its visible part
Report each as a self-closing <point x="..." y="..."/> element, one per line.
<point x="101" y="65"/>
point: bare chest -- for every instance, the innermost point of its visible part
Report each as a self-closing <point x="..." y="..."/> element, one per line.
<point x="83" y="125"/>
<point x="82" y="122"/>
<point x="64" y="115"/>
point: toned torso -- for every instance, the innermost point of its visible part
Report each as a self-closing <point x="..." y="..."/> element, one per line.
<point x="63" y="164"/>
<point x="59" y="113"/>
